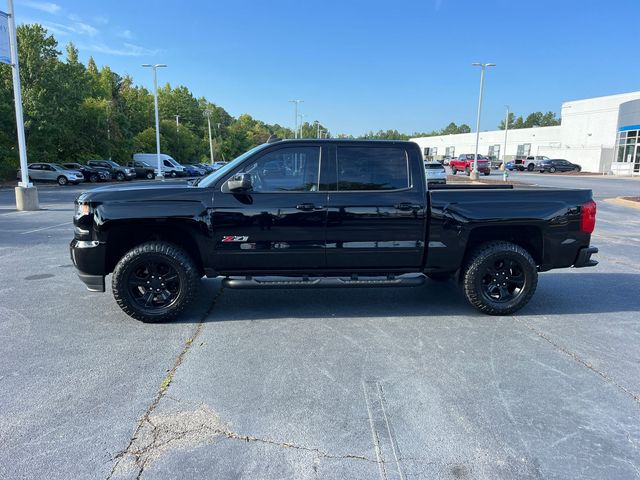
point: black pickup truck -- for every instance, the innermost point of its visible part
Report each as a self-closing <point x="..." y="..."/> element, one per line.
<point x="333" y="213"/>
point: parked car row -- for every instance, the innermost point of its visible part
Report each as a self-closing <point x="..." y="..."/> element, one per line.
<point x="142" y="166"/>
<point x="548" y="165"/>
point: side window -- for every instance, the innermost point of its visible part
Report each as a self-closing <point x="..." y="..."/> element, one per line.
<point x="291" y="169"/>
<point x="372" y="168"/>
<point x="35" y="166"/>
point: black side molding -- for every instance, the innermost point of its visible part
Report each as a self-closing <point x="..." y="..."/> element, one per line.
<point x="584" y="257"/>
<point x="94" y="283"/>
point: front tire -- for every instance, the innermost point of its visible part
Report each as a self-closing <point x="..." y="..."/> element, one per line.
<point x="62" y="180"/>
<point x="155" y="281"/>
<point x="453" y="170"/>
<point x="120" y="176"/>
<point x="530" y="167"/>
<point x="499" y="278"/>
<point x="552" y="170"/>
<point x="150" y="175"/>
<point x="93" y="178"/>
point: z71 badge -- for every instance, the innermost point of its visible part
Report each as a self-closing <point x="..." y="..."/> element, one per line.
<point x="234" y="238"/>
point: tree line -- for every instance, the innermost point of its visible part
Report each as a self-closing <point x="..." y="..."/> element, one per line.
<point x="77" y="112"/>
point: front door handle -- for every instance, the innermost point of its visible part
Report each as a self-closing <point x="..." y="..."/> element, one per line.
<point x="406" y="206"/>
<point x="307" y="207"/>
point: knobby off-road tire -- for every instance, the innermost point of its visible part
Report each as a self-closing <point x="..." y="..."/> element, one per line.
<point x="155" y="281"/>
<point x="499" y="278"/>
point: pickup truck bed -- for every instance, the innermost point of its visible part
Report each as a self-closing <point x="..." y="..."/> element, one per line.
<point x="325" y="213"/>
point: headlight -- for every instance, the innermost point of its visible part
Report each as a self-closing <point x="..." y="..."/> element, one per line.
<point x="82" y="209"/>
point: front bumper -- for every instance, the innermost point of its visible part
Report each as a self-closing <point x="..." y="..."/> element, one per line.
<point x="584" y="257"/>
<point x="88" y="256"/>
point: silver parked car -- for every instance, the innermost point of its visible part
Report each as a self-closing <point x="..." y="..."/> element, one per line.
<point x="436" y="172"/>
<point x="53" y="172"/>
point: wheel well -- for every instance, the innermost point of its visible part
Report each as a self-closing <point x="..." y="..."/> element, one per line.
<point x="528" y="237"/>
<point x="122" y="238"/>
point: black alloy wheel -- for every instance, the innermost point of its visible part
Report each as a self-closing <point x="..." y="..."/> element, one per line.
<point x="120" y="176"/>
<point x="93" y="178"/>
<point x="500" y="278"/>
<point x="530" y="167"/>
<point x="155" y="281"/>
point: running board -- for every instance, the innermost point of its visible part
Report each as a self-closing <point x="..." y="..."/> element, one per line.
<point x="249" y="282"/>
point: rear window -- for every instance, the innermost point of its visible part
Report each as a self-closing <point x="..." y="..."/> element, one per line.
<point x="433" y="166"/>
<point x="372" y="168"/>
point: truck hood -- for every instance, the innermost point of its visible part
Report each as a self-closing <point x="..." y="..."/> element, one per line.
<point x="140" y="192"/>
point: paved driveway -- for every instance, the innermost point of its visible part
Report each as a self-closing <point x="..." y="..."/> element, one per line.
<point x="358" y="383"/>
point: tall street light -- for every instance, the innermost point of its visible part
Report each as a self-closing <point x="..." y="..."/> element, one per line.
<point x="155" y="67"/>
<point x="474" y="173"/>
<point x="296" y="102"/>
<point x="301" y="115"/>
<point x="207" y="113"/>
<point x="503" y="165"/>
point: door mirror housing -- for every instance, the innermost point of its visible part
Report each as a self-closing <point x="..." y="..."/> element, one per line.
<point x="240" y="182"/>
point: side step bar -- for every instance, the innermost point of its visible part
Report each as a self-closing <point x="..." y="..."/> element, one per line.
<point x="405" y="280"/>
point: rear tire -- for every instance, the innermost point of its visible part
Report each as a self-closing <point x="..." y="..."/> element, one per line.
<point x="552" y="170"/>
<point x="499" y="278"/>
<point x="467" y="171"/>
<point x="93" y="178"/>
<point x="155" y="281"/>
<point x="453" y="170"/>
<point x="62" y="180"/>
<point x="150" y="175"/>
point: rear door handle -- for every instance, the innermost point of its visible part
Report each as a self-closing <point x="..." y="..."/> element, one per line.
<point x="308" y="207"/>
<point x="406" y="206"/>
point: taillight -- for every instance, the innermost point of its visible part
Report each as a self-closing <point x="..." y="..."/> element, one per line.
<point x="588" y="216"/>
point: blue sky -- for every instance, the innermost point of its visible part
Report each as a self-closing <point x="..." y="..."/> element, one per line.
<point x="359" y="65"/>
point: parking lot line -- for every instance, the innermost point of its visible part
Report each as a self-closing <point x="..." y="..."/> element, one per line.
<point x="44" y="228"/>
<point x="383" y="438"/>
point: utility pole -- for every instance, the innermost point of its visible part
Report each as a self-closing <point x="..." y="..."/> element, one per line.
<point x="296" y="102"/>
<point x="207" y="112"/>
<point x="155" y="67"/>
<point x="503" y="165"/>
<point x="26" y="193"/>
<point x="474" y="173"/>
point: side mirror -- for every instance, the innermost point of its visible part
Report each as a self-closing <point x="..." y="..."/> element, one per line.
<point x="240" y="182"/>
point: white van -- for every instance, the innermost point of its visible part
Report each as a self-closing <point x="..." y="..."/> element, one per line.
<point x="170" y="168"/>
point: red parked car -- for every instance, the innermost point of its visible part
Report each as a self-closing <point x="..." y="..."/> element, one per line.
<point x="464" y="163"/>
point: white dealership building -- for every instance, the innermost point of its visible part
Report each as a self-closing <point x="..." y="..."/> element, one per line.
<point x="601" y="134"/>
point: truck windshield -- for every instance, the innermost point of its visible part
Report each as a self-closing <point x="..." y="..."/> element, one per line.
<point x="222" y="171"/>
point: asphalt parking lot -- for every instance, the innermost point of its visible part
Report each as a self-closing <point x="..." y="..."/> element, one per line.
<point x="359" y="384"/>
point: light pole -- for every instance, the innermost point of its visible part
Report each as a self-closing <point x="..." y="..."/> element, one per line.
<point x="177" y="122"/>
<point x="318" y="129"/>
<point x="301" y="115"/>
<point x="503" y="165"/>
<point x="474" y="173"/>
<point x="155" y="67"/>
<point x="26" y="193"/>
<point x="207" y="112"/>
<point x="296" y="102"/>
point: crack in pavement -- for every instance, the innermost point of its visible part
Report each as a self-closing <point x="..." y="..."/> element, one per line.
<point x="163" y="388"/>
<point x="157" y="434"/>
<point x="577" y="358"/>
<point x="186" y="429"/>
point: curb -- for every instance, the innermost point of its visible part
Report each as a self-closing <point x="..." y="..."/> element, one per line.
<point x="623" y="203"/>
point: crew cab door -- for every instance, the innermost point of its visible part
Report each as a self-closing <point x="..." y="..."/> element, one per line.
<point x="280" y="223"/>
<point x="377" y="211"/>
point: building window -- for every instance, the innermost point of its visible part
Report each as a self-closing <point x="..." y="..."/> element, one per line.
<point x="494" y="152"/>
<point x="450" y="152"/>
<point x="524" y="149"/>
